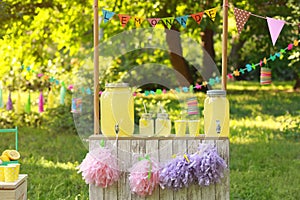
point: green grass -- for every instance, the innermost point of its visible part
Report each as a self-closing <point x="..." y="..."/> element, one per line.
<point x="264" y="148"/>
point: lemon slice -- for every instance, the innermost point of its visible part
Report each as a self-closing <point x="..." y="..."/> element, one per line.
<point x="13" y="155"/>
<point x="4" y="158"/>
<point x="6" y="152"/>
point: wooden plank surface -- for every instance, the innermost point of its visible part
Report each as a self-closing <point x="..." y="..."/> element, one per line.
<point x="171" y="137"/>
<point x="209" y="192"/>
<point x="13" y="185"/>
<point x="128" y="150"/>
<point x="165" y="152"/>
<point x="222" y="189"/>
<point x="124" y="151"/>
<point x="152" y="151"/>
<point x="180" y="148"/>
<point x="138" y="149"/>
<point x="194" y="191"/>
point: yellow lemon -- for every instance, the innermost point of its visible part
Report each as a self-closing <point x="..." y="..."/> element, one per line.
<point x="6" y="152"/>
<point x="13" y="155"/>
<point x="4" y="158"/>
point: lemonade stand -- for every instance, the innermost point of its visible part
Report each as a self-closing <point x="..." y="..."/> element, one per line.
<point x="13" y="185"/>
<point x="131" y="166"/>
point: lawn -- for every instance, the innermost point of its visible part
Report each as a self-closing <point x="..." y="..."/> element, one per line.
<point x="264" y="148"/>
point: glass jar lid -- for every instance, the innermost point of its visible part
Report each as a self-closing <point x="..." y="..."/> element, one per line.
<point x="146" y="116"/>
<point x="162" y="115"/>
<point x="117" y="85"/>
<point x="213" y="93"/>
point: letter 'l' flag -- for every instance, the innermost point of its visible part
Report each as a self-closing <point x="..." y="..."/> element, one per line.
<point x="197" y="17"/>
<point x="182" y="20"/>
<point x="107" y="15"/>
<point x="124" y="19"/>
<point x="275" y="27"/>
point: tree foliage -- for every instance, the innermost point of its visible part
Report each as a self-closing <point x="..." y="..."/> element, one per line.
<point x="54" y="37"/>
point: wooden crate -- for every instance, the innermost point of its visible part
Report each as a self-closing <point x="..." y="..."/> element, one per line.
<point x="15" y="190"/>
<point x="160" y="148"/>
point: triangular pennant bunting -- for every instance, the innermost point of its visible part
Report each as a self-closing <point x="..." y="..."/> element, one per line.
<point x="107" y="15"/>
<point x="28" y="104"/>
<point x="241" y="17"/>
<point x="138" y="21"/>
<point x="1" y="98"/>
<point x="197" y="17"/>
<point x="212" y="13"/>
<point x="41" y="102"/>
<point x="18" y="103"/>
<point x="275" y="27"/>
<point x="182" y="20"/>
<point x="168" y="21"/>
<point x="124" y="19"/>
<point x="153" y="21"/>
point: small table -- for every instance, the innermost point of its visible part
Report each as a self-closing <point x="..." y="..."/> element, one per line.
<point x="15" y="190"/>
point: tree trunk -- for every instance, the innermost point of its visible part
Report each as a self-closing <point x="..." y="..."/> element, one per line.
<point x="208" y="42"/>
<point x="178" y="62"/>
<point x="297" y="84"/>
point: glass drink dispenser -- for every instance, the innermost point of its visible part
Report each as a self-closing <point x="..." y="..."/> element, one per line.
<point x="117" y="108"/>
<point x="216" y="114"/>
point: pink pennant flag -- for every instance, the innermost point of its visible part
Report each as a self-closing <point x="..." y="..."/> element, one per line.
<point x="124" y="19"/>
<point x="275" y="27"/>
<point x="241" y="17"/>
<point x="153" y="21"/>
<point x="41" y="103"/>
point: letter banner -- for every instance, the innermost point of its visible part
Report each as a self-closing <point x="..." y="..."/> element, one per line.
<point x="107" y="15"/>
<point x="168" y="21"/>
<point x="182" y="20"/>
<point x="212" y="13"/>
<point x="124" y="19"/>
<point x="197" y="17"/>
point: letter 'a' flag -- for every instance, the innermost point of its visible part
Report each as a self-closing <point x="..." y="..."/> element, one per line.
<point x="182" y="20"/>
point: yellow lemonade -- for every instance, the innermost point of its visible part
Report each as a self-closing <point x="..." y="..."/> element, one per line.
<point x="216" y="114"/>
<point x="162" y="125"/>
<point x="117" y="109"/>
<point x="146" y="125"/>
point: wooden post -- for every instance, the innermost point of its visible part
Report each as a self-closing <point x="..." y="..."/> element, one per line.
<point x="96" y="69"/>
<point x="224" y="44"/>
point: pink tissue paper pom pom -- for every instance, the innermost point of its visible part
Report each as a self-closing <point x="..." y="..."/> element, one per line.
<point x="100" y="167"/>
<point x="144" y="177"/>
